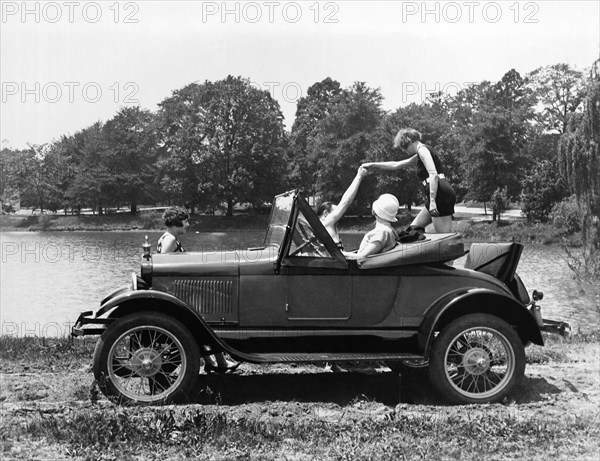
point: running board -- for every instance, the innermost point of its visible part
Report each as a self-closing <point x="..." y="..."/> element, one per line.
<point x="330" y="357"/>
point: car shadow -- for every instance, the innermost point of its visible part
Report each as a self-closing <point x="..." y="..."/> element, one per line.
<point x="341" y="388"/>
<point x="409" y="386"/>
<point x="531" y="390"/>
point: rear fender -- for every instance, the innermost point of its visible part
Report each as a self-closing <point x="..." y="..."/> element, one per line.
<point x="149" y="300"/>
<point x="478" y="300"/>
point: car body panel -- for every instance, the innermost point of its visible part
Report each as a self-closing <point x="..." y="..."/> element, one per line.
<point x="298" y="293"/>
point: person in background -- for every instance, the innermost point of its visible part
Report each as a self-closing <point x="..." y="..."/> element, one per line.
<point x="330" y="214"/>
<point x="176" y="220"/>
<point x="439" y="206"/>
<point x="383" y="237"/>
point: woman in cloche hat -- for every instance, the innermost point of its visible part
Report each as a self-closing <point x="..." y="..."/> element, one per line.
<point x="383" y="237"/>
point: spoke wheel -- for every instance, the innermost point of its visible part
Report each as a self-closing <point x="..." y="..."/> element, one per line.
<point x="477" y="358"/>
<point x="147" y="358"/>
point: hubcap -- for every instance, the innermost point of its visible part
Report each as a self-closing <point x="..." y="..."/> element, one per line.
<point x="476" y="361"/>
<point x="146" y="362"/>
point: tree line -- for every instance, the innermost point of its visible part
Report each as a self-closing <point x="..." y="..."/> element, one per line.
<point x="213" y="145"/>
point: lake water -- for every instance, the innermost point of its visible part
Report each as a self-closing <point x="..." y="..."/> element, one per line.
<point x="48" y="278"/>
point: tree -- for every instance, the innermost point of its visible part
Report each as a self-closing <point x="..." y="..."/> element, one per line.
<point x="542" y="188"/>
<point x="559" y="91"/>
<point x="343" y="139"/>
<point x="130" y="155"/>
<point x="320" y="101"/>
<point x="492" y="127"/>
<point x="580" y="161"/>
<point x="91" y="181"/>
<point x="223" y="142"/>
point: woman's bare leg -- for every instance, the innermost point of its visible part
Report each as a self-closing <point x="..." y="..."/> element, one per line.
<point x="443" y="224"/>
<point x="423" y="219"/>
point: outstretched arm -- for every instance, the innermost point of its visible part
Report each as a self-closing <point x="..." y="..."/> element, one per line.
<point x="392" y="165"/>
<point x="347" y="199"/>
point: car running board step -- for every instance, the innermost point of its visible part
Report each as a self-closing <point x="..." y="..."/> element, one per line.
<point x="332" y="357"/>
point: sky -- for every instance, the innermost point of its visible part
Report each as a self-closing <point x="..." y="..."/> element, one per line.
<point x="66" y="65"/>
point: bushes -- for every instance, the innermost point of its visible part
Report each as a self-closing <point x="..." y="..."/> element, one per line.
<point x="151" y="219"/>
<point x="566" y="214"/>
<point x="542" y="188"/>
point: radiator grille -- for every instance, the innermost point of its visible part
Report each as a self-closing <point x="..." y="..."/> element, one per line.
<point x="206" y="296"/>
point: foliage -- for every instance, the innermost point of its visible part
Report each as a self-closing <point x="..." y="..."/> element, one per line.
<point x="213" y="144"/>
<point x="302" y="158"/>
<point x="580" y="162"/>
<point x="221" y="141"/>
<point x="130" y="154"/>
<point x="566" y="214"/>
<point x="559" y="91"/>
<point x="542" y="188"/>
<point x="342" y="140"/>
<point x="492" y="128"/>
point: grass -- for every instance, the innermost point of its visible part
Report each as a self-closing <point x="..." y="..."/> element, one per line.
<point x="44" y="354"/>
<point x="362" y="429"/>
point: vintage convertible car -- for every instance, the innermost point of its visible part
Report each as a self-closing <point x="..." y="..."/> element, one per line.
<point x="298" y="299"/>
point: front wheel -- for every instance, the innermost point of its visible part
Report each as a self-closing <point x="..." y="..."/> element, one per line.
<point x="148" y="358"/>
<point x="477" y="358"/>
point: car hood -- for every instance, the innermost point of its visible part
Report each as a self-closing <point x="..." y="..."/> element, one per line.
<point x="217" y="263"/>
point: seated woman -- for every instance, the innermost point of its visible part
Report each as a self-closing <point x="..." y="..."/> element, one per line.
<point x="383" y="237"/>
<point x="330" y="213"/>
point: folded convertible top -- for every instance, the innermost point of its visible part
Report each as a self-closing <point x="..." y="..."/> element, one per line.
<point x="435" y="248"/>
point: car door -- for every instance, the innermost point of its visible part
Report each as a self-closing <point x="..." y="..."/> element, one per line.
<point x="318" y="285"/>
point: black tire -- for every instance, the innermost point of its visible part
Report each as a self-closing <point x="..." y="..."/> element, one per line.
<point x="147" y="358"/>
<point x="477" y="358"/>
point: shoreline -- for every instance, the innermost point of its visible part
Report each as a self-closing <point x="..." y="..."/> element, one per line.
<point x="472" y="224"/>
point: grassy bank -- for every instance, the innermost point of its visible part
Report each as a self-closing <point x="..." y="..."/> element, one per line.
<point x="515" y="231"/>
<point x="127" y="221"/>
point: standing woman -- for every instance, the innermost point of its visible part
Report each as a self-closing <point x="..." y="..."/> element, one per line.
<point x="176" y="220"/>
<point x="441" y="199"/>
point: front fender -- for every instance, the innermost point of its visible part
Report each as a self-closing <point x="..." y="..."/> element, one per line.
<point x="128" y="302"/>
<point x="477" y="300"/>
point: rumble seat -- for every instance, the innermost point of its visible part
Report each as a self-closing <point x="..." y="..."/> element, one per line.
<point x="435" y="248"/>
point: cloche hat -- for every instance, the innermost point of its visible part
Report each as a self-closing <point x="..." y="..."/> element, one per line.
<point x="386" y="207"/>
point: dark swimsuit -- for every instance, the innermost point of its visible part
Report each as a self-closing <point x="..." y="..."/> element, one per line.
<point x="445" y="198"/>
<point x="178" y="248"/>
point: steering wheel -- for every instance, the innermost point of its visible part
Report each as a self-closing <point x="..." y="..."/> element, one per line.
<point x="311" y="240"/>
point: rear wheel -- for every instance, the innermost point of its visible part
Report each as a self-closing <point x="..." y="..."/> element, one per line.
<point x="147" y="358"/>
<point x="477" y="358"/>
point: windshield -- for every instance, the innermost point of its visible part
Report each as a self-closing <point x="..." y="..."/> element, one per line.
<point x="280" y="218"/>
